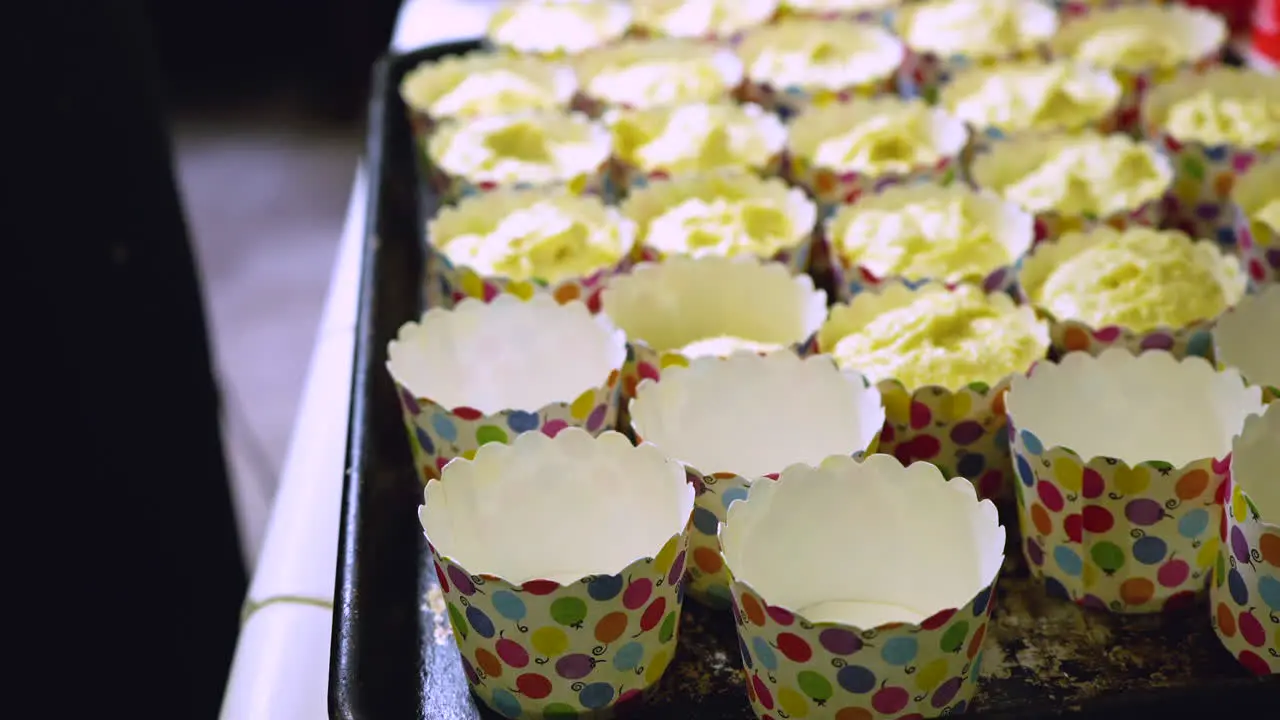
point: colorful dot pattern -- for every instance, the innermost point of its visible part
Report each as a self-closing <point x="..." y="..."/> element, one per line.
<point x="541" y="649"/>
<point x="1050" y="224"/>
<point x="459" y="282"/>
<point x="1259" y="247"/>
<point x="789" y="101"/>
<point x="627" y="177"/>
<point x="1195" y="340"/>
<point x="1199" y="201"/>
<point x="1113" y="537"/>
<point x="1135" y="84"/>
<point x="452" y="188"/>
<point x="644" y="363"/>
<point x="982" y="140"/>
<point x="853" y="279"/>
<point x="1080" y="8"/>
<point x="438" y="434"/>
<point x="875" y="17"/>
<point x="922" y="75"/>
<point x="831" y="189"/>
<point x="1245" y="592"/>
<point x="796" y="669"/>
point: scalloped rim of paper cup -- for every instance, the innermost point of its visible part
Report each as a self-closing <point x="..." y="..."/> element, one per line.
<point x="766" y="125"/>
<point x="1258" y="186"/>
<point x="1011" y="159"/>
<point x="644" y="205"/>
<point x="1202" y="33"/>
<point x="883" y="56"/>
<point x="812" y="7"/>
<point x="788" y="409"/>
<point x="1038" y="265"/>
<point x="449" y="355"/>
<point x="970" y="80"/>
<point x="1013" y="227"/>
<point x="1222" y="81"/>
<point x="423" y="86"/>
<point x="744" y="297"/>
<point x="561" y="127"/>
<point x="1059" y="404"/>
<point x="482" y="213"/>
<point x="659" y="19"/>
<point x="524" y="509"/>
<point x="844" y="319"/>
<point x="1045" y="21"/>
<point x="621" y="17"/>
<point x="593" y="63"/>
<point x="784" y="539"/>
<point x="817" y="124"/>
<point x="1242" y="341"/>
<point x="1255" y="462"/>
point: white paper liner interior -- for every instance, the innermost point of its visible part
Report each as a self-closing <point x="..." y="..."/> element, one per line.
<point x="679" y="133"/>
<point x="575" y="145"/>
<point x="541" y="509"/>
<point x="429" y="83"/>
<point x="1247" y="338"/>
<point x="1255" y="463"/>
<point x="939" y="27"/>
<point x="598" y="70"/>
<point x="860" y="53"/>
<point x="510" y="354"/>
<point x="1133" y="408"/>
<point x="1196" y="31"/>
<point x="753" y="415"/>
<point x="817" y="124"/>
<point x="829" y="542"/>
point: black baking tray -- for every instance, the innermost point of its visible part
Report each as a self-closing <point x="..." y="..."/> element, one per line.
<point x="393" y="659"/>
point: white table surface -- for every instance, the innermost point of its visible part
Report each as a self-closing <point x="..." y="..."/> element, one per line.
<point x="281" y="665"/>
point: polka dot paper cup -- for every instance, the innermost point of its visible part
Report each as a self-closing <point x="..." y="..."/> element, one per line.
<point x="868" y="11"/>
<point x="1259" y="241"/>
<point x="521" y="26"/>
<point x="1079" y="8"/>
<point x="1120" y="469"/>
<point x="1199" y="202"/>
<point x="959" y="429"/>
<point x="686" y="308"/>
<point x="1245" y="592"/>
<point x="638" y="74"/>
<point x="487" y="372"/>
<point x="880" y="638"/>
<point x="734" y="420"/>
<point x="1247" y="338"/>
<point x="1071" y="334"/>
<point x="549" y="625"/>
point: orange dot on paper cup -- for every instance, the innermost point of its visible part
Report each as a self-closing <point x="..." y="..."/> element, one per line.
<point x="1226" y="620"/>
<point x="707" y="560"/>
<point x="1075" y="339"/>
<point x="567" y="293"/>
<point x="751" y="608"/>
<point x="1192" y="485"/>
<point x="610" y="627"/>
<point x="1136" y="591"/>
<point x="853" y="713"/>
<point x="997" y="402"/>
<point x="1040" y="518"/>
<point x="1269" y="546"/>
<point x="487" y="662"/>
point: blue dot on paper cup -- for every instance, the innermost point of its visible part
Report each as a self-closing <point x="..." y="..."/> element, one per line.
<point x="764" y="653"/>
<point x="705" y="521"/>
<point x="980" y="602"/>
<point x="1194" y="523"/>
<point x="444" y="427"/>
<point x="1025" y="473"/>
<point x="480" y="622"/>
<point x="1269" y="591"/>
<point x="728" y="496"/>
<point x="508" y="605"/>
<point x="506" y="703"/>
<point x="596" y="696"/>
<point x="1236" y="586"/>
<point x="856" y="679"/>
<point x="746" y="654"/>
<point x="1032" y="443"/>
<point x="425" y="441"/>
<point x="899" y="650"/>
<point x="522" y="421"/>
<point x="971" y="465"/>
<point x="628" y="656"/>
<point x="1149" y="550"/>
<point x="1068" y="560"/>
<point x="604" y="587"/>
<point x="1199" y="344"/>
<point x="1054" y="588"/>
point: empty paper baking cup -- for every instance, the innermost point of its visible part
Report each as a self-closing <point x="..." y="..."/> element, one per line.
<point x="916" y="233"/>
<point x="680" y="140"/>
<point x="640" y="74"/>
<point x="486" y="372"/>
<point x="563" y="591"/>
<point x="843" y="151"/>
<point x="527" y="241"/>
<point x="869" y="11"/>
<point x="723" y="20"/>
<point x="795" y="63"/>
<point x="1245" y="593"/>
<point x="686" y="308"/>
<point x="944" y="37"/>
<point x="1247" y="338"/>
<point x="1120" y="460"/>
<point x="959" y="428"/>
<point x="734" y="420"/>
<point x="832" y="623"/>
<point x="1206" y="163"/>
<point x="1091" y="281"/>
<point x="557" y="28"/>
<point x="1144" y="46"/>
<point x="524" y="150"/>
<point x="1257" y="218"/>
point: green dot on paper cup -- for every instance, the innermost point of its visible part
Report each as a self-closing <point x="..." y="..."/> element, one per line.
<point x="814" y="685"/>
<point x="456" y="619"/>
<point x="554" y="711"/>
<point x="668" y="629"/>
<point x="569" y="611"/>
<point x="953" y="638"/>
<point x="490" y="433"/>
<point x="1108" y="556"/>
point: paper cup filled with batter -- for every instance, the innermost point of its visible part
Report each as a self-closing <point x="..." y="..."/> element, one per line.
<point x="1257" y="219"/>
<point x="1143" y="46"/>
<point x="682" y="140"/>
<point x="862" y="589"/>
<point x="1077" y="181"/>
<point x="1247" y="338"/>
<point x="869" y="11"/>
<point x="524" y="150"/>
<point x="946" y="36"/>
<point x="1140" y="289"/>
<point x="842" y="151"/>
<point x="1120" y="461"/>
<point x="686" y="308"/>
<point x="723" y="20"/>
<point x="527" y="241"/>
<point x="557" y="28"/>
<point x="640" y="74"/>
<point x="1245" y="592"/>
<point x="800" y="62"/>
<point x="1213" y="126"/>
<point x="488" y="372"/>
<point x="733" y="421"/>
<point x="562" y="591"/>
<point x="942" y="360"/>
<point x="915" y="233"/>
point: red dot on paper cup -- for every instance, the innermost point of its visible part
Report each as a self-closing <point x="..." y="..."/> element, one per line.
<point x="938" y="619"/>
<point x="1253" y="663"/>
<point x="637" y="594"/>
<point x="794" y="647"/>
<point x="1050" y="496"/>
<point x="653" y="614"/>
<point x="467" y="413"/>
<point x="890" y="700"/>
<point x="1097" y="519"/>
<point x="781" y="616"/>
<point x="763" y="696"/>
<point x="534" y="686"/>
<point x="540" y="587"/>
<point x="920" y="415"/>
<point x="1074" y="525"/>
<point x="553" y="427"/>
<point x="1092" y="484"/>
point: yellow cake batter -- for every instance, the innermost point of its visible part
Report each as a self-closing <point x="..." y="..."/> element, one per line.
<point x="1032" y="96"/>
<point x="819" y="55"/>
<point x="540" y="148"/>
<point x="697" y="137"/>
<point x="1091" y="175"/>
<point x="652" y="73"/>
<point x="1225" y="119"/>
<point x="896" y="139"/>
<point x="980" y="28"/>
<point x="558" y="26"/>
